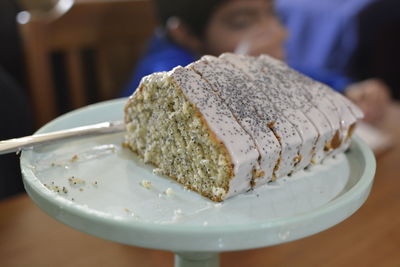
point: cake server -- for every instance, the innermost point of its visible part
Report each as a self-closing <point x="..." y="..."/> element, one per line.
<point x="16" y="144"/>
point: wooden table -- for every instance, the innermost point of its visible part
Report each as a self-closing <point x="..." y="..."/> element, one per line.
<point x="371" y="237"/>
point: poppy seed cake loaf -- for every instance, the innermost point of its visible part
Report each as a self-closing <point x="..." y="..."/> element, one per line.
<point x="221" y="126"/>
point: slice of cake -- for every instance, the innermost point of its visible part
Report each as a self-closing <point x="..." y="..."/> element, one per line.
<point x="176" y="122"/>
<point x="221" y="126"/>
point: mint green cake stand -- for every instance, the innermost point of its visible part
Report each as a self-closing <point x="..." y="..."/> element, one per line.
<point x="102" y="191"/>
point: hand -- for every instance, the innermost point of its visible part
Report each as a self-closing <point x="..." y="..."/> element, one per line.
<point x="372" y="96"/>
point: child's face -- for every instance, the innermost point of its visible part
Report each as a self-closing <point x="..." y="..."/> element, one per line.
<point x="245" y="26"/>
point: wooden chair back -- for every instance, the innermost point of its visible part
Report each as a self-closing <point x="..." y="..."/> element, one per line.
<point x="82" y="52"/>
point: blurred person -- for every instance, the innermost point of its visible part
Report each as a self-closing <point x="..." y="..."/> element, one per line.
<point x="190" y="29"/>
<point x="322" y="41"/>
<point x="322" y="37"/>
<point x="372" y="96"/>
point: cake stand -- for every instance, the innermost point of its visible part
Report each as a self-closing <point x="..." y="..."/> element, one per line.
<point x="96" y="186"/>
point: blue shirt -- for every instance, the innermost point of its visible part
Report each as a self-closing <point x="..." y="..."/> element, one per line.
<point x="322" y="37"/>
<point x="161" y="55"/>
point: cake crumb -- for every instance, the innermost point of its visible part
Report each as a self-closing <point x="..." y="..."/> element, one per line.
<point x="74" y="158"/>
<point x="56" y="188"/>
<point x="125" y="145"/>
<point x="76" y="181"/>
<point x="55" y="164"/>
<point x="157" y="171"/>
<point x="129" y="212"/>
<point x="297" y="159"/>
<point x="146" y="184"/>
<point x="258" y="173"/>
<point x="271" y="124"/>
<point x="169" y="191"/>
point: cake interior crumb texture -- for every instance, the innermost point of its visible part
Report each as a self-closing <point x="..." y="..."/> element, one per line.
<point x="166" y="130"/>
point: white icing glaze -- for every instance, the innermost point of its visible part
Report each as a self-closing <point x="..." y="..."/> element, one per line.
<point x="278" y="77"/>
<point x="220" y="121"/>
<point x="312" y="91"/>
<point x="348" y="114"/>
<point x="240" y="94"/>
<point x="355" y="110"/>
<point x="334" y="103"/>
<point x="275" y="93"/>
<point x="357" y="114"/>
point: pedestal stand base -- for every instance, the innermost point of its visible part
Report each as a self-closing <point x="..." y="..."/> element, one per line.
<point x="196" y="259"/>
